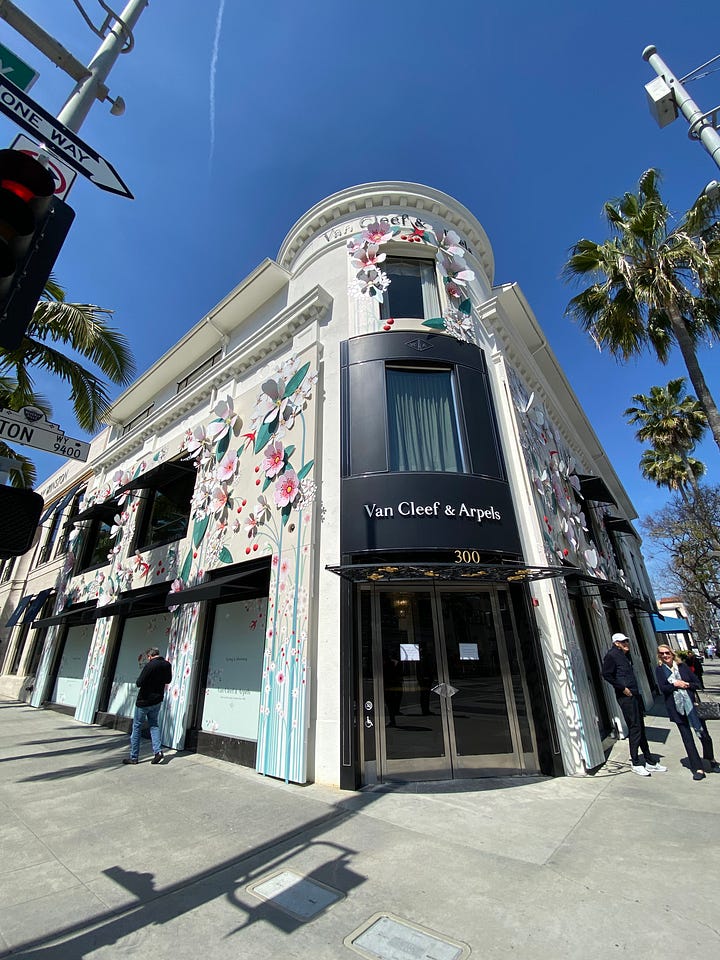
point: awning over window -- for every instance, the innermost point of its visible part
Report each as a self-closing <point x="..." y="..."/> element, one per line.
<point x="619" y="525"/>
<point x="104" y="511"/>
<point x="158" y="476"/>
<point x="221" y="588"/>
<point x="455" y="572"/>
<point x="595" y="488"/>
<point x="135" y="603"/>
<point x="19" y="610"/>
<point x="61" y="503"/>
<point x="72" y="616"/>
<point x="34" y="608"/>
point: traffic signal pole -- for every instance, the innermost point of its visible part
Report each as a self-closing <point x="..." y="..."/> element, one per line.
<point x="86" y="91"/>
<point x="702" y="124"/>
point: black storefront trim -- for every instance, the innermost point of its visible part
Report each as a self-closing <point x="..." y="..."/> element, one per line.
<point x="455" y="572"/>
<point x="228" y="587"/>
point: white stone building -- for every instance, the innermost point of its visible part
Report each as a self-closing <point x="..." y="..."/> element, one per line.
<point x="363" y="511"/>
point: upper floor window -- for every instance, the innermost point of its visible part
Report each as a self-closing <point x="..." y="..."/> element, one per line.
<point x="423" y="425"/>
<point x="95" y="541"/>
<point x="131" y="424"/>
<point x="165" y="515"/>
<point x="197" y="373"/>
<point x="412" y="292"/>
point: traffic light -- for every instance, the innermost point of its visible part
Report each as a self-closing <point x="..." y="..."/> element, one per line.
<point x="33" y="227"/>
<point x="20" y="512"/>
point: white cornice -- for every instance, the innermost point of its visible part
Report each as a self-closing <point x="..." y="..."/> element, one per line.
<point x="355" y="201"/>
<point x="276" y="332"/>
<point x="212" y="332"/>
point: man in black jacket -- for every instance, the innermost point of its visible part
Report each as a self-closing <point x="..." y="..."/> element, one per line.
<point x="617" y="669"/>
<point x="156" y="673"/>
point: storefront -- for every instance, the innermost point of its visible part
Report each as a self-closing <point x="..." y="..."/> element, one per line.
<point x="360" y="509"/>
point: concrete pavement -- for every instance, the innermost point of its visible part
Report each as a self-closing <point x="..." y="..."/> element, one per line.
<point x="200" y="858"/>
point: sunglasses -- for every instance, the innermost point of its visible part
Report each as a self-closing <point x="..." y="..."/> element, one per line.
<point x="665" y="653"/>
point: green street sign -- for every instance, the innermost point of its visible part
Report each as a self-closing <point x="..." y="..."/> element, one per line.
<point x="16" y="70"/>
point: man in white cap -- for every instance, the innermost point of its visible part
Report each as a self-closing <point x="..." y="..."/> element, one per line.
<point x="617" y="669"/>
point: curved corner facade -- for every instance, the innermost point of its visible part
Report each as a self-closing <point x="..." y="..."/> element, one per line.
<point x="360" y="507"/>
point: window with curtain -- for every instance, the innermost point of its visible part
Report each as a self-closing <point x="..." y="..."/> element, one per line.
<point x="423" y="428"/>
<point x="412" y="291"/>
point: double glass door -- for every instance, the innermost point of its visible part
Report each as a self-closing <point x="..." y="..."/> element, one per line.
<point x="450" y="697"/>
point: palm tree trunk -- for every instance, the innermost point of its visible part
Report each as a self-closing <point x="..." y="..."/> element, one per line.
<point x="697" y="378"/>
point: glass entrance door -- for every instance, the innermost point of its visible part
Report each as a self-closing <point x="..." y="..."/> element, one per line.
<point x="451" y="699"/>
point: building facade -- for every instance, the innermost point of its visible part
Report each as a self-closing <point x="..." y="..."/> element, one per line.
<point x="360" y="507"/>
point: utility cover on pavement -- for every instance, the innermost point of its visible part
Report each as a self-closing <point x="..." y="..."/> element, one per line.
<point x="385" y="937"/>
<point x="301" y="898"/>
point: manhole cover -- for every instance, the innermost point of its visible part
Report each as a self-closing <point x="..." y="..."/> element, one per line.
<point x="385" y="937"/>
<point x="294" y="894"/>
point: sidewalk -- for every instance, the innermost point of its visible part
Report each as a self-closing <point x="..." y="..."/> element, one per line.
<point x="191" y="858"/>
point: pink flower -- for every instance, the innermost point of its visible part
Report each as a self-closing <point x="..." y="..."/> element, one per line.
<point x="273" y="459"/>
<point x="226" y="468"/>
<point x="220" y="498"/>
<point x="287" y="489"/>
<point x="377" y="233"/>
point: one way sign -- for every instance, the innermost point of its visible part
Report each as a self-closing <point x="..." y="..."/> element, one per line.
<point x="57" y="138"/>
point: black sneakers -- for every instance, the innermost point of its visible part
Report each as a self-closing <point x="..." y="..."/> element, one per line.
<point x="158" y="758"/>
<point x="129" y="760"/>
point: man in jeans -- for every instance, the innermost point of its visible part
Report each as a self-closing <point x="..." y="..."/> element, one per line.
<point x="156" y="673"/>
<point x="618" y="670"/>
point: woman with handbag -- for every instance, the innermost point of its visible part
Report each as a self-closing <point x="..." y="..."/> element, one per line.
<point x="678" y="684"/>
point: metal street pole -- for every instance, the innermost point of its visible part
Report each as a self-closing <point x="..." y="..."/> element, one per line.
<point x="85" y="93"/>
<point x="702" y="127"/>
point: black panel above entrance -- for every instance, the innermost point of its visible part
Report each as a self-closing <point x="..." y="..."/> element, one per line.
<point x="460" y="572"/>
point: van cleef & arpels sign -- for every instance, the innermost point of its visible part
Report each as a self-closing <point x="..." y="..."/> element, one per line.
<point x="410" y="508"/>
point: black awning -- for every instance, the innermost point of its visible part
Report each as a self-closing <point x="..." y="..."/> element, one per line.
<point x="34" y="608"/>
<point x="221" y="588"/>
<point x="619" y="525"/>
<point x="19" y="609"/>
<point x="135" y="603"/>
<point x="158" y="476"/>
<point x="72" y="616"/>
<point x="454" y="572"/>
<point x="595" y="488"/>
<point x="104" y="511"/>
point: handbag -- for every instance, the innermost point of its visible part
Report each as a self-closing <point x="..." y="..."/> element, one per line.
<point x="707" y="709"/>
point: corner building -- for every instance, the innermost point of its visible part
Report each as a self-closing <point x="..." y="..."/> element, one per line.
<point x="361" y="508"/>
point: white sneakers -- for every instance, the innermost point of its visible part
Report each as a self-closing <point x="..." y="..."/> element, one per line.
<point x="648" y="769"/>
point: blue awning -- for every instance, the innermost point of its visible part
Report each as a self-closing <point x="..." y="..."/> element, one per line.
<point x="34" y="608"/>
<point x="669" y="624"/>
<point x="17" y="612"/>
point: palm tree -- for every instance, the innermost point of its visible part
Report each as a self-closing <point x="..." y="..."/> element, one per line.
<point x="653" y="283"/>
<point x="58" y="327"/>
<point x="670" y="470"/>
<point x="672" y="421"/>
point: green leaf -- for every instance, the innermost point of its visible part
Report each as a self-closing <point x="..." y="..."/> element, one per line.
<point x="289" y="451"/>
<point x="268" y="481"/>
<point x="286" y="511"/>
<point x="264" y="434"/>
<point x="295" y="381"/>
<point x="222" y="447"/>
<point x="199" y="529"/>
<point x="466" y="307"/>
<point x="185" y="569"/>
<point x="225" y="556"/>
<point x="305" y="469"/>
<point x="436" y="323"/>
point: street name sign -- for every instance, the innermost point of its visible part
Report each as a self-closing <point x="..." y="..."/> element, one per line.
<point x="16" y="70"/>
<point x="31" y="428"/>
<point x="61" y="141"/>
<point x="63" y="175"/>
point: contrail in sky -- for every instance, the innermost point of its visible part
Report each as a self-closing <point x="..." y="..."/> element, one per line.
<point x="213" y="67"/>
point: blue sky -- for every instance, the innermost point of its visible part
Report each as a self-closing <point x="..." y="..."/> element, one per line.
<point x="532" y="115"/>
